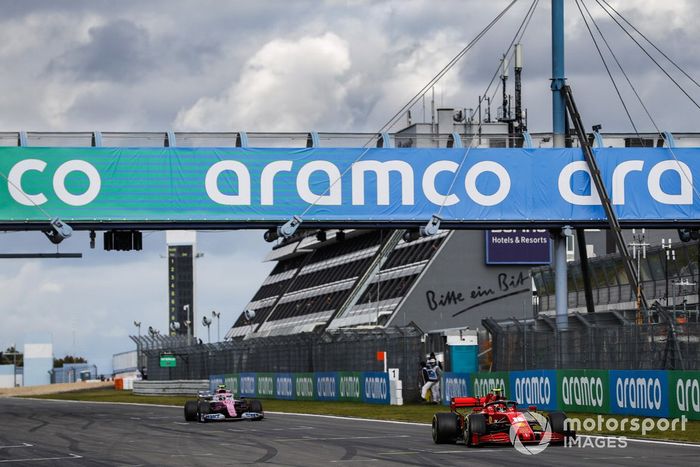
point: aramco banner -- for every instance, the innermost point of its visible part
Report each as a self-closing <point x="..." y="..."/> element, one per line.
<point x="343" y="184"/>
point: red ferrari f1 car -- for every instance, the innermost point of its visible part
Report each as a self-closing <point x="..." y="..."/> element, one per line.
<point x="495" y="420"/>
<point x="222" y="406"/>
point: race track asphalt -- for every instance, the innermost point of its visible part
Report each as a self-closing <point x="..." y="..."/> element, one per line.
<point x="58" y="433"/>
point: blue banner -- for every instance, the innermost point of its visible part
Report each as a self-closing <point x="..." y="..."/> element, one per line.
<point x="247" y="385"/>
<point x="375" y="388"/>
<point x="214" y="381"/>
<point x="536" y="387"/>
<point x="343" y="184"/>
<point x="284" y="386"/>
<point x="454" y="385"/>
<point x="639" y="392"/>
<point x="327" y="386"/>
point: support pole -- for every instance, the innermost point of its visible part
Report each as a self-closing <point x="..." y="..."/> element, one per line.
<point x="558" y="140"/>
<point x="585" y="272"/>
<point x="561" y="291"/>
<point x="558" y="72"/>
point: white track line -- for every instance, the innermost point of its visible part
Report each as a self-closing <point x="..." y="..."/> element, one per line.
<point x="337" y="417"/>
<point x="36" y="459"/>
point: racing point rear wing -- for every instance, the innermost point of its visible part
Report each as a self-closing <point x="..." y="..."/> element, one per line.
<point x="466" y="402"/>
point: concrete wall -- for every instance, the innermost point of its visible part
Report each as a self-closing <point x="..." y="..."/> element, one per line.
<point x="7" y="376"/>
<point x="458" y="289"/>
<point x="38" y="362"/>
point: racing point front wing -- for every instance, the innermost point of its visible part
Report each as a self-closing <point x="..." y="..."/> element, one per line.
<point x="245" y="416"/>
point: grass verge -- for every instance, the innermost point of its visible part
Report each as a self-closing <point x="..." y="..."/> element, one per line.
<point x="418" y="413"/>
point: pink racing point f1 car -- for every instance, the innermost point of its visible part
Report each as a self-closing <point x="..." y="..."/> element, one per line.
<point x="221" y="405"/>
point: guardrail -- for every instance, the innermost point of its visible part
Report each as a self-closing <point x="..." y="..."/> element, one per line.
<point x="178" y="387"/>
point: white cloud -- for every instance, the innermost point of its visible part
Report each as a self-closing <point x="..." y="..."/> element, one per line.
<point x="288" y="85"/>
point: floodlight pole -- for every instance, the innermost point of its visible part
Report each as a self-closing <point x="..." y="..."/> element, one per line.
<point x="189" y="324"/>
<point x="138" y="345"/>
<point x="670" y="254"/>
<point x="14" y="364"/>
<point x="218" y="320"/>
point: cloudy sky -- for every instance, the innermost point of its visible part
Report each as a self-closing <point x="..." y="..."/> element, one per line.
<point x="270" y="66"/>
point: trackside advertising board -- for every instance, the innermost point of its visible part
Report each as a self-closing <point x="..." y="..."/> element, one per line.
<point x="232" y="382"/>
<point x="265" y="385"/>
<point x="247" y="386"/>
<point x="214" y="381"/>
<point x="684" y="388"/>
<point x="284" y="386"/>
<point x="639" y="392"/>
<point x="198" y="184"/>
<point x="536" y="387"/>
<point x="583" y="391"/>
<point x="304" y="386"/>
<point x="454" y="385"/>
<point x="484" y="383"/>
<point x="327" y="386"/>
<point x="350" y="386"/>
<point x="653" y="393"/>
<point x="375" y="388"/>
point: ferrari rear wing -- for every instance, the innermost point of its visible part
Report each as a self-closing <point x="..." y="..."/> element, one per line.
<point x="466" y="402"/>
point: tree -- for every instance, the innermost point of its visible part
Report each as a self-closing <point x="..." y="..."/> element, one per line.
<point x="59" y="362"/>
<point x="10" y="356"/>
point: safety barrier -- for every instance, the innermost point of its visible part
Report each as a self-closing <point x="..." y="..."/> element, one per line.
<point x="170" y="388"/>
<point x="653" y="393"/>
<point x="372" y="387"/>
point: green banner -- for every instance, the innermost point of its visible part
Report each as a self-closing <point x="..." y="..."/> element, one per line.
<point x="304" y="386"/>
<point x="483" y="383"/>
<point x="583" y="391"/>
<point x="232" y="383"/>
<point x="265" y="384"/>
<point x="684" y="394"/>
<point x="350" y="386"/>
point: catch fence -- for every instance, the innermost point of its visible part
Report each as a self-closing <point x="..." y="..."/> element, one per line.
<point x="538" y="344"/>
<point x="337" y="350"/>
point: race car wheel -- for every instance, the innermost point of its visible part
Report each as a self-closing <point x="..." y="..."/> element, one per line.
<point x="556" y="421"/>
<point x="445" y="427"/>
<point x="191" y="411"/>
<point x="477" y="423"/>
<point x="256" y="406"/>
<point x="202" y="410"/>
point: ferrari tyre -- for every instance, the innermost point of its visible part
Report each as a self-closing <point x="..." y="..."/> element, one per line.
<point x="202" y="410"/>
<point x="557" y="421"/>
<point x="445" y="428"/>
<point x="477" y="423"/>
<point x="191" y="411"/>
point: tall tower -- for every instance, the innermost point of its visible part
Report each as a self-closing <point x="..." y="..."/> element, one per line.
<point x="182" y="251"/>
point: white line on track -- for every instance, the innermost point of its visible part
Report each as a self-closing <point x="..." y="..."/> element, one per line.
<point x="354" y="460"/>
<point x="37" y="459"/>
<point x="336" y="417"/>
<point x="23" y="445"/>
<point x="309" y="438"/>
